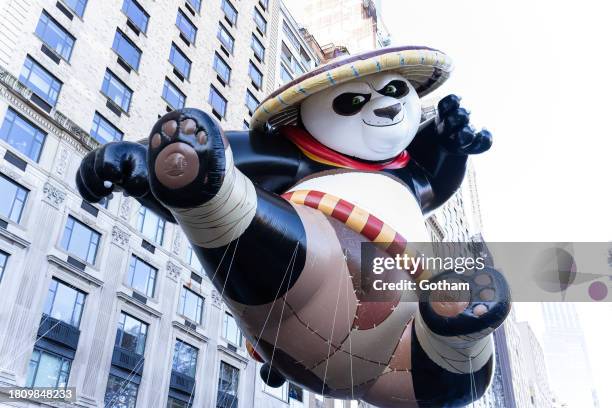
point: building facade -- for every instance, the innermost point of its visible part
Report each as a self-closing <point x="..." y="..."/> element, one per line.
<point x="107" y="298"/>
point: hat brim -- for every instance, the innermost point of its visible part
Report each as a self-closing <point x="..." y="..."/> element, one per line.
<point x="425" y="68"/>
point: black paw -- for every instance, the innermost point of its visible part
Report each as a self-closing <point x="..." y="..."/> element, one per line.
<point x="482" y="308"/>
<point x="186" y="158"/>
<point x="453" y="127"/>
<point x="117" y="165"/>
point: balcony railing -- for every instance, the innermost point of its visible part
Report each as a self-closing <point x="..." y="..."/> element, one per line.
<point x="182" y="382"/>
<point x="128" y="360"/>
<point x="59" y="332"/>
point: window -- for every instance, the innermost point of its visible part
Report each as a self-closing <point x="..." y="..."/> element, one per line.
<point x="141" y="277"/>
<point x="64" y="303"/>
<point x="230" y="12"/>
<point x="193" y="260"/>
<point x="80" y="240"/>
<point x="115" y="90"/>
<point x="256" y="75"/>
<point x="180" y="61"/>
<point x="222" y="68"/>
<point x="290" y="60"/>
<point x="285" y="74"/>
<point x="173" y="95"/>
<point x="258" y="47"/>
<point x="231" y="332"/>
<point x="251" y="102"/>
<point x="289" y="33"/>
<point x="186" y="27"/>
<point x="104" y="131"/>
<point x="13" y="199"/>
<point x="185" y="359"/>
<point x="196" y="4"/>
<point x="264" y="4"/>
<point x="131" y="334"/>
<point x="296" y="393"/>
<point x="227" y="394"/>
<point x="217" y="101"/>
<point x="78" y="6"/>
<point x="245" y="125"/>
<point x="151" y="225"/>
<point x="120" y="393"/>
<point x="191" y="305"/>
<point x="137" y="15"/>
<point x="260" y="21"/>
<point x="56" y="37"/>
<point x="3" y="258"/>
<point x="47" y="370"/>
<point x="226" y="39"/>
<point x="174" y="403"/>
<point x="282" y="392"/>
<point x="127" y="50"/>
<point x="40" y="81"/>
<point x="22" y="135"/>
<point x="306" y="60"/>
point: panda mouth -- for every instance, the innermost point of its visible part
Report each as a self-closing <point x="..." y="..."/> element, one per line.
<point x="390" y="124"/>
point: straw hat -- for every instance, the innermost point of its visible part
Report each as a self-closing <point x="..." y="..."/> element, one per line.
<point x="425" y="68"/>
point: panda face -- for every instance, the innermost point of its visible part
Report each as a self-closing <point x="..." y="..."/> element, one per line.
<point x="372" y="118"/>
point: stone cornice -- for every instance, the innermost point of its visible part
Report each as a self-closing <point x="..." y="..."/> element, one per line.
<point x="193" y="333"/>
<point x="75" y="271"/>
<point x="145" y="308"/>
<point x="14" y="238"/>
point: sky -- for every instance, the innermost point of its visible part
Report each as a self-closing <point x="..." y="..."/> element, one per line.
<point x="534" y="73"/>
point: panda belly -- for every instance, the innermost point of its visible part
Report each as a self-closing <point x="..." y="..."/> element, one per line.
<point x="377" y="193"/>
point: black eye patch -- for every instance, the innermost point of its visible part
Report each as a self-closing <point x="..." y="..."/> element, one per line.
<point x="350" y="103"/>
<point x="395" y="89"/>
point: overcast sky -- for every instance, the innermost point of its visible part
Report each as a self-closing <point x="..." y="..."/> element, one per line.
<point x="535" y="73"/>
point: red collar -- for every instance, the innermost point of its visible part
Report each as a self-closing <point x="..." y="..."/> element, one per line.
<point x="316" y="151"/>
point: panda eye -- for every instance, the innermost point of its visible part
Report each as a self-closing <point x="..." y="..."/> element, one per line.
<point x="350" y="103"/>
<point x="395" y="89"/>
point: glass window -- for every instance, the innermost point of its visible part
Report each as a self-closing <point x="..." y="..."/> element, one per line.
<point x="40" y="81"/>
<point x="231" y="332"/>
<point x="193" y="260"/>
<point x="282" y="392"/>
<point x="186" y="27"/>
<point x="47" y="370"/>
<point x="22" y="135"/>
<point x="55" y="36"/>
<point x="256" y="75"/>
<point x="260" y="21"/>
<point x="227" y="393"/>
<point x="64" y="303"/>
<point x="180" y="61"/>
<point x="245" y="125"/>
<point x="285" y="74"/>
<point x="78" y="6"/>
<point x="137" y="15"/>
<point x="264" y="4"/>
<point x="3" y="258"/>
<point x="196" y="4"/>
<point x="191" y="305"/>
<point x="230" y="12"/>
<point x="173" y="95"/>
<point x="226" y="39"/>
<point x="104" y="131"/>
<point x="251" y="102"/>
<point x="296" y="393"/>
<point x="151" y="225"/>
<point x="80" y="240"/>
<point x="13" y="199"/>
<point x="174" y="403"/>
<point x="222" y="68"/>
<point x="289" y="33"/>
<point x="141" y="277"/>
<point x="258" y="47"/>
<point x="217" y="101"/>
<point x="306" y="60"/>
<point x="131" y="334"/>
<point x="290" y="60"/>
<point x="120" y="393"/>
<point x="116" y="91"/>
<point x="127" y="50"/>
<point x="185" y="359"/>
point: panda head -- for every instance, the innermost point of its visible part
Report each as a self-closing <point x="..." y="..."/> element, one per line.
<point x="372" y="118"/>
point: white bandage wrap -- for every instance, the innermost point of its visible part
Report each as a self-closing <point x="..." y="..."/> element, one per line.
<point x="226" y="216"/>
<point x="457" y="354"/>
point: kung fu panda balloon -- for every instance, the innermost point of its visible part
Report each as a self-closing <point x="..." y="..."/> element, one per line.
<point x="277" y="216"/>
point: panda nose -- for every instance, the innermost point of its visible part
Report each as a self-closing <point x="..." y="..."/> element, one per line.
<point x="389" y="112"/>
